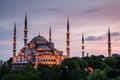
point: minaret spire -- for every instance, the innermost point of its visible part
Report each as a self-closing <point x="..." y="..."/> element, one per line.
<point x="109" y="43"/>
<point x="25" y="35"/>
<point x="50" y="36"/>
<point x="68" y="39"/>
<point x="83" y="45"/>
<point x="14" y="41"/>
<point x="25" y="20"/>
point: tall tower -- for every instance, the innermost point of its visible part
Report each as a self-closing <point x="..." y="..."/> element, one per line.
<point x="14" y="41"/>
<point x="25" y="36"/>
<point x="68" y="39"/>
<point x="50" y="36"/>
<point x="109" y="43"/>
<point x="83" y="45"/>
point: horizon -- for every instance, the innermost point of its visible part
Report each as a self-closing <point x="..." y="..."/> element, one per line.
<point x="90" y="18"/>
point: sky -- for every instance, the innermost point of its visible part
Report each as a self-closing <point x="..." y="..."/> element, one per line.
<point x="91" y="17"/>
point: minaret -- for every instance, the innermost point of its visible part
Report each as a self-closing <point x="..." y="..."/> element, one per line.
<point x="14" y="41"/>
<point x="68" y="39"/>
<point x="25" y="36"/>
<point x="109" y="43"/>
<point x="83" y="45"/>
<point x="50" y="36"/>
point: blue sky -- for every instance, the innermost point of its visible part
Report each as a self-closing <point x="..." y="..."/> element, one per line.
<point x="91" y="17"/>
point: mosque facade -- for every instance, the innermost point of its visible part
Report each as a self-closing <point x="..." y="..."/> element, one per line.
<point x="39" y="50"/>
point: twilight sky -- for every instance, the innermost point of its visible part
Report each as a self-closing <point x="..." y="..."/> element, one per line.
<point x="91" y="17"/>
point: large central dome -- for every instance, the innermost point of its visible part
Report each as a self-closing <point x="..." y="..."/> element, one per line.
<point x="40" y="44"/>
<point x="39" y="40"/>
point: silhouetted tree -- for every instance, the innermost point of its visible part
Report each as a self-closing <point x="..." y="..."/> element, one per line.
<point x="83" y="64"/>
<point x="96" y="64"/>
<point x="30" y="73"/>
<point x="87" y="59"/>
<point x="1" y="63"/>
<point x="110" y="61"/>
<point x="78" y="74"/>
<point x="113" y="73"/>
<point x="118" y="63"/>
<point x="97" y="75"/>
<point x="6" y="68"/>
<point x="12" y="76"/>
<point x="71" y="64"/>
<point x="52" y="72"/>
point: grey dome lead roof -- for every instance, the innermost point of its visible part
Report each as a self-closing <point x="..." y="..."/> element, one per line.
<point x="39" y="38"/>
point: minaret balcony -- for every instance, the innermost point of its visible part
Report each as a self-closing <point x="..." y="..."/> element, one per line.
<point x="67" y="40"/>
<point x="109" y="49"/>
<point x="82" y="44"/>
<point x="68" y="33"/>
<point x="25" y="30"/>
<point x="14" y="42"/>
<point x="68" y="47"/>
<point x="25" y="38"/>
<point x="14" y="49"/>
<point x="109" y="42"/>
<point x="83" y="50"/>
<point x="14" y="36"/>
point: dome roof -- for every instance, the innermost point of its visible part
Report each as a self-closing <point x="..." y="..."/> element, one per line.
<point x="41" y="44"/>
<point x="39" y="40"/>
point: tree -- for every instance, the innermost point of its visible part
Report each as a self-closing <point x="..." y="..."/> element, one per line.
<point x="103" y="66"/>
<point x="29" y="73"/>
<point x="53" y="72"/>
<point x="97" y="75"/>
<point x="71" y="64"/>
<point x="87" y="59"/>
<point x="12" y="76"/>
<point x="110" y="61"/>
<point x="118" y="63"/>
<point x="6" y="67"/>
<point x="78" y="74"/>
<point x="65" y="74"/>
<point x="1" y="63"/>
<point x="101" y="57"/>
<point x="118" y="78"/>
<point x="113" y="73"/>
<point x="96" y="64"/>
<point x="83" y="64"/>
<point x="95" y="57"/>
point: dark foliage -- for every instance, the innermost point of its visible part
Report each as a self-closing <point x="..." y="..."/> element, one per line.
<point x="71" y="69"/>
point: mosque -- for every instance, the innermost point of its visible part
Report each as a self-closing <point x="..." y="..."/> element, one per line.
<point x="42" y="51"/>
<point x="39" y="50"/>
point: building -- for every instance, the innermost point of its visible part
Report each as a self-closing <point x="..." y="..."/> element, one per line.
<point x="39" y="50"/>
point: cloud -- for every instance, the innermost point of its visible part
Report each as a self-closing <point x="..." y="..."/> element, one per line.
<point x="54" y="9"/>
<point x="92" y="9"/>
<point x="94" y="38"/>
<point x="115" y="34"/>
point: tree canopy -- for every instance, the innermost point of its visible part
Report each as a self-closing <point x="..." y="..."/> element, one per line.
<point x="75" y="68"/>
